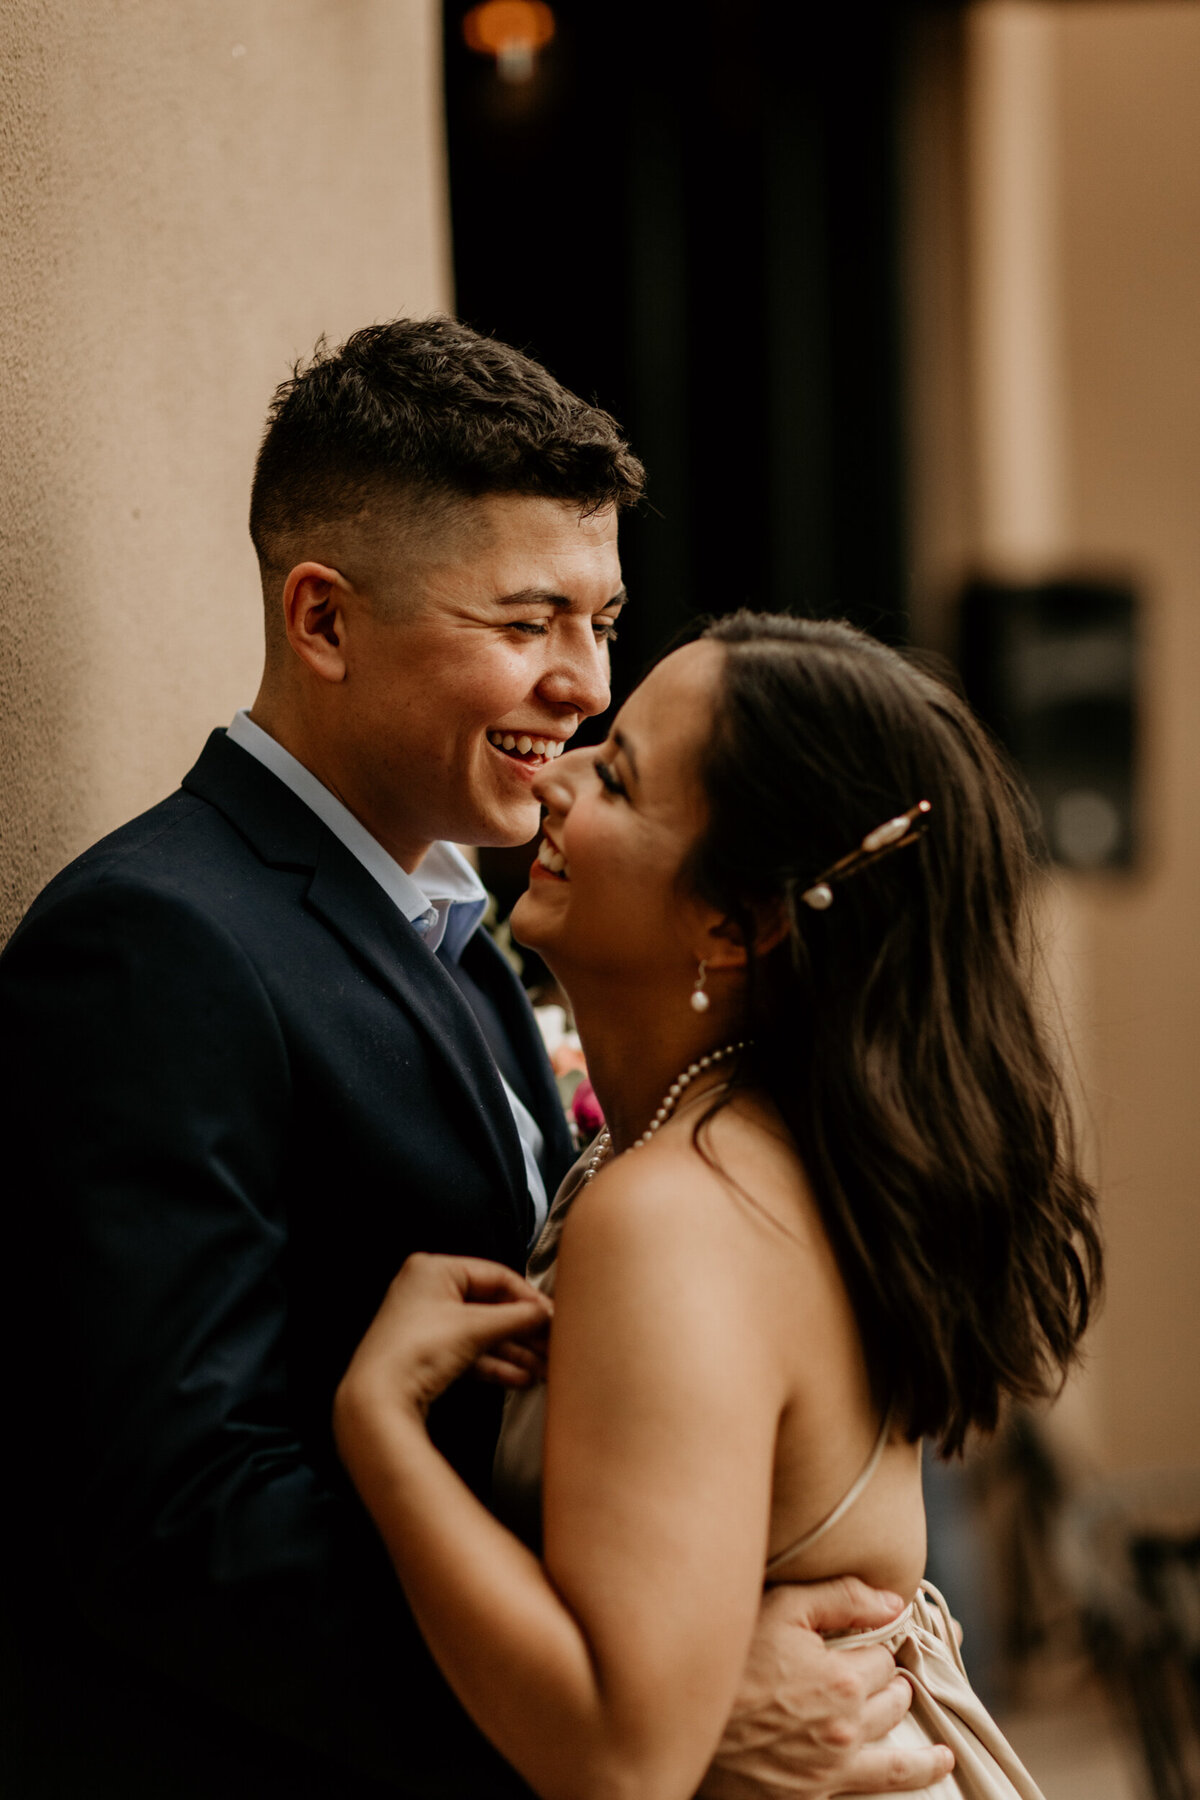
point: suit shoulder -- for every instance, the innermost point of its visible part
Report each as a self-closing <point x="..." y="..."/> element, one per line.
<point x="152" y="841"/>
<point x="124" y="949"/>
<point x="181" y="843"/>
<point x="179" y="858"/>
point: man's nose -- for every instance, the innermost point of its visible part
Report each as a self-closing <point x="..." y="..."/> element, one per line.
<point x="578" y="676"/>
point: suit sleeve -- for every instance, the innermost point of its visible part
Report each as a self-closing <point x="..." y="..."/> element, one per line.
<point x="194" y="1527"/>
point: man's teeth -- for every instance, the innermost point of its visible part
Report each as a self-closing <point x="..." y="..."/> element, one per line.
<point x="525" y="746"/>
<point x="552" y="859"/>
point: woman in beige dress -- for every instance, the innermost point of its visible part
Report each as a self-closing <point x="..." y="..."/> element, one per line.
<point x="834" y="1212"/>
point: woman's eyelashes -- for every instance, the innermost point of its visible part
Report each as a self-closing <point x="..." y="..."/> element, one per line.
<point x="609" y="780"/>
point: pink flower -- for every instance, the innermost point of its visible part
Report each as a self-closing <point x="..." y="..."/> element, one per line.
<point x="585" y="1109"/>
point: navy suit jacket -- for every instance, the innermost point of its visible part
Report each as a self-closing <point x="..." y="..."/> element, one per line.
<point x="246" y="1092"/>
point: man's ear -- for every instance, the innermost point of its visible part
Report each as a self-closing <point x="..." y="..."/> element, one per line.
<point x="314" y="617"/>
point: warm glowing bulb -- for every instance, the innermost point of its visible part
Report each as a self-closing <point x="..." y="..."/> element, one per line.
<point x="513" y="31"/>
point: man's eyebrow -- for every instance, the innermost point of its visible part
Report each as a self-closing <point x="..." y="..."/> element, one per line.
<point x="544" y="597"/>
<point x="623" y="744"/>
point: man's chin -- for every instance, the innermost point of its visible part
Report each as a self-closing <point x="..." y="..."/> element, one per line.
<point x="508" y="833"/>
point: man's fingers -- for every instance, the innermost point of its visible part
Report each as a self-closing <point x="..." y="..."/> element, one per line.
<point x="886" y="1708"/>
<point x="874" y="1665"/>
<point x="896" y="1769"/>
<point x="834" y="1607"/>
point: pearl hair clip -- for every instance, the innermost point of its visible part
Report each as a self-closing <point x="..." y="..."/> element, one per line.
<point x="895" y="834"/>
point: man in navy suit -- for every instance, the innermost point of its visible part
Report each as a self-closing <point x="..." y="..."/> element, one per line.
<point x="260" y="1051"/>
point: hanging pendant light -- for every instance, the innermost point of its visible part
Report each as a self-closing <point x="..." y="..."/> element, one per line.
<point x="511" y="31"/>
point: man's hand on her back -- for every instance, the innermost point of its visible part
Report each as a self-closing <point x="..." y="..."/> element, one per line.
<point x="808" y="1721"/>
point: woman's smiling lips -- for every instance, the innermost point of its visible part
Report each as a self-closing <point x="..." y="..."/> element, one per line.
<point x="549" y="864"/>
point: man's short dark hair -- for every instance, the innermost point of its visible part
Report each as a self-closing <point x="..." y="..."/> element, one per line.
<point x="432" y="407"/>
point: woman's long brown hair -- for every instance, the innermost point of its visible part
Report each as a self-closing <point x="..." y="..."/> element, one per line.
<point x="895" y="1031"/>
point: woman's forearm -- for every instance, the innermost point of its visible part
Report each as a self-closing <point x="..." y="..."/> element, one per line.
<point x="516" y="1656"/>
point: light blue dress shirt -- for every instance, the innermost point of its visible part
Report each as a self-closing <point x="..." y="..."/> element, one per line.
<point x="443" y="899"/>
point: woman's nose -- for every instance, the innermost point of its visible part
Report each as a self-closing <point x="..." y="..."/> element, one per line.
<point x="552" y="792"/>
<point x="554" y="785"/>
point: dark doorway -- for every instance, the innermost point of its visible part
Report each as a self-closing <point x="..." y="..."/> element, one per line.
<point x="691" y="216"/>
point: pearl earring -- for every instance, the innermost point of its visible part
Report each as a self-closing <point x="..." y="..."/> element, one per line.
<point x="699" y="997"/>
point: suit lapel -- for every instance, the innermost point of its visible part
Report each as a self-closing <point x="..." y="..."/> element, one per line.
<point x="488" y="967"/>
<point x="286" y="834"/>
<point x="399" y="961"/>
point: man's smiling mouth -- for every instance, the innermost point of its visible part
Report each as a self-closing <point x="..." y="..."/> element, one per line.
<point x="524" y="748"/>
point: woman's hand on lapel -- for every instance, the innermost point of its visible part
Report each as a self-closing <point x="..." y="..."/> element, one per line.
<point x="442" y="1316"/>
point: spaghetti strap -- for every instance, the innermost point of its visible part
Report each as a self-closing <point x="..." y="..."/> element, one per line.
<point x="844" y="1504"/>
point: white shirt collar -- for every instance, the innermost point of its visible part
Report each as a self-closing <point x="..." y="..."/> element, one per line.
<point x="456" y="894"/>
<point x="444" y="897"/>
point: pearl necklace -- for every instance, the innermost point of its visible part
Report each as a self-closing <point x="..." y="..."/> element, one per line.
<point x="670" y="1101"/>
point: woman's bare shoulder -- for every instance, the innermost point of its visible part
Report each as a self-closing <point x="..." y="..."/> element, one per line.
<point x="734" y="1187"/>
<point x="665" y="1276"/>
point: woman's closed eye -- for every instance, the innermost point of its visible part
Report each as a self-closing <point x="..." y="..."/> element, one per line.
<point x="612" y="782"/>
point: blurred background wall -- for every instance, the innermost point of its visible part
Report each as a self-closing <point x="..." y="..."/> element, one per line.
<point x="1053" y="300"/>
<point x="189" y="194"/>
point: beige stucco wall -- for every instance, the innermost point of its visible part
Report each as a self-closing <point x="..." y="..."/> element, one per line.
<point x="1129" y="82"/>
<point x="1055" y="402"/>
<point x="190" y="191"/>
